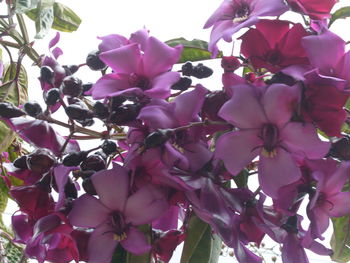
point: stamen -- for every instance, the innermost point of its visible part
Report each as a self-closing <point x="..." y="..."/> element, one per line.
<point x="269" y="154"/>
<point x="120" y="237"/>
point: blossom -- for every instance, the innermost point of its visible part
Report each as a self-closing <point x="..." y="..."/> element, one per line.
<point x="268" y="133"/>
<point x="314" y="8"/>
<point x="279" y="46"/>
<point x="116" y="213"/>
<point x="140" y="68"/>
<point x="232" y="15"/>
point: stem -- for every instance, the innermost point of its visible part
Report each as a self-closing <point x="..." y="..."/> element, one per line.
<point x="9" y="44"/>
<point x="23" y="28"/>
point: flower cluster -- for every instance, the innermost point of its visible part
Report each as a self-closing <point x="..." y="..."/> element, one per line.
<point x="170" y="149"/>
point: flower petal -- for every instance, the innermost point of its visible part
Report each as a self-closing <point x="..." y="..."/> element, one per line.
<point x="147" y="204"/>
<point x="243" y="109"/>
<point x="277" y="171"/>
<point x="125" y="59"/>
<point x="236" y="149"/>
<point x="112" y="41"/>
<point x="88" y="211"/>
<point x="301" y="138"/>
<point x="161" y="85"/>
<point x="136" y="242"/>
<point x="159" y="57"/>
<point x="112" y="186"/>
<point x="101" y="245"/>
<point x="109" y="85"/>
<point x="340" y="205"/>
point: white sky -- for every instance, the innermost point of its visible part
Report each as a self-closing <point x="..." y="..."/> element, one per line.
<point x="164" y="18"/>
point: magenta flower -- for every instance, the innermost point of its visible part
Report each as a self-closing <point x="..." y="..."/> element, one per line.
<point x="265" y="130"/>
<point x="314" y="8"/>
<point x="328" y="200"/>
<point x="232" y="15"/>
<point x="115" y="214"/>
<point x="140" y="69"/>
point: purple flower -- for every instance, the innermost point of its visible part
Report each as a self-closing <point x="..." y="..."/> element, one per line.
<point x="268" y="133"/>
<point x="232" y="15"/>
<point x="139" y="68"/>
<point x="116" y="213"/>
<point x="328" y="200"/>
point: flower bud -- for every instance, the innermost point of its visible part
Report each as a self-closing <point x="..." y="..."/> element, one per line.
<point x="40" y="161"/>
<point x="88" y="186"/>
<point x="33" y="109"/>
<point x="157" y="138"/>
<point x="21" y="162"/>
<point x="74" y="158"/>
<point x="76" y="112"/>
<point x="200" y="71"/>
<point x="52" y="96"/>
<point x="94" y="62"/>
<point x="183" y="84"/>
<point x="212" y="104"/>
<point x="47" y="74"/>
<point x="100" y="110"/>
<point x="8" y="110"/>
<point x="124" y="114"/>
<point x="187" y="69"/>
<point x="71" y="86"/>
<point x="230" y="63"/>
<point x="94" y="162"/>
<point x="109" y="147"/>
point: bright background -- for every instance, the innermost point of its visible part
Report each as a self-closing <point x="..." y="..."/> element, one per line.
<point x="166" y="20"/>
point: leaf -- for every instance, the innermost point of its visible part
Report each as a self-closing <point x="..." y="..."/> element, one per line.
<point x="341" y="13"/>
<point x="14" y="92"/>
<point x="22" y="6"/>
<point x="340" y="241"/>
<point x="44" y="19"/>
<point x="3" y="200"/>
<point x="119" y="254"/>
<point x="200" y="244"/>
<point x="64" y="18"/>
<point x="241" y="179"/>
<point x="195" y="50"/>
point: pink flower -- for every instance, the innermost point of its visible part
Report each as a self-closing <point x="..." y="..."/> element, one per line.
<point x="314" y="8"/>
<point x="232" y="15"/>
<point x="262" y="116"/>
<point x="116" y="213"/>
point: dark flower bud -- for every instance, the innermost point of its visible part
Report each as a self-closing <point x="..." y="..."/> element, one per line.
<point x="52" y="96"/>
<point x="71" y="69"/>
<point x="230" y="63"/>
<point x="109" y="147"/>
<point x="94" y="162"/>
<point x="341" y="149"/>
<point x="100" y="110"/>
<point x="187" y="69"/>
<point x="87" y="86"/>
<point x="117" y="101"/>
<point x="70" y="190"/>
<point x="71" y="86"/>
<point x="33" y="109"/>
<point x="8" y="110"/>
<point x="74" y="158"/>
<point x="280" y="77"/>
<point x="40" y="161"/>
<point x="76" y="112"/>
<point x="212" y="104"/>
<point x="86" y="122"/>
<point x="47" y="74"/>
<point x="124" y="114"/>
<point x="83" y="174"/>
<point x="183" y="84"/>
<point x="21" y="162"/>
<point x="157" y="138"/>
<point x="94" y="62"/>
<point x="88" y="186"/>
<point x="200" y="71"/>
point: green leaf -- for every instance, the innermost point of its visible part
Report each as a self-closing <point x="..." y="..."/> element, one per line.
<point x="14" y="91"/>
<point x="241" y="179"/>
<point x="341" y="13"/>
<point x="340" y="241"/>
<point x="200" y="244"/>
<point x="64" y="18"/>
<point x="22" y="6"/>
<point x="44" y="19"/>
<point x="194" y="50"/>
<point x="119" y="255"/>
<point x="3" y="201"/>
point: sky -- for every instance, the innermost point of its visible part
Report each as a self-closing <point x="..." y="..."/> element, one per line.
<point x="165" y="20"/>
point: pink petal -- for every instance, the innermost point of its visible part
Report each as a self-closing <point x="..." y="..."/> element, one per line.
<point x="272" y="30"/>
<point x="302" y="138"/>
<point x="112" y="186"/>
<point x="189" y="104"/>
<point x="340" y="204"/>
<point x="292" y="251"/>
<point x="159" y="57"/>
<point x="88" y="211"/>
<point x="161" y="84"/>
<point x="136" y="242"/>
<point x="277" y="171"/>
<point x="101" y="245"/>
<point x="315" y="47"/>
<point x="147" y="204"/>
<point x="281" y="97"/>
<point x="112" y="41"/>
<point x="336" y="180"/>
<point x="237" y="149"/>
<point x="319" y="222"/>
<point x="140" y="37"/>
<point x="158" y="116"/>
<point x="109" y="85"/>
<point x="225" y="8"/>
<point x="125" y="59"/>
<point x="243" y="109"/>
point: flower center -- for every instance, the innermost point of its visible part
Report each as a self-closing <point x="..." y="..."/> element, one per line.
<point x="138" y="81"/>
<point x="242" y="11"/>
<point x="269" y="135"/>
<point x="119" y="226"/>
<point x="274" y="57"/>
